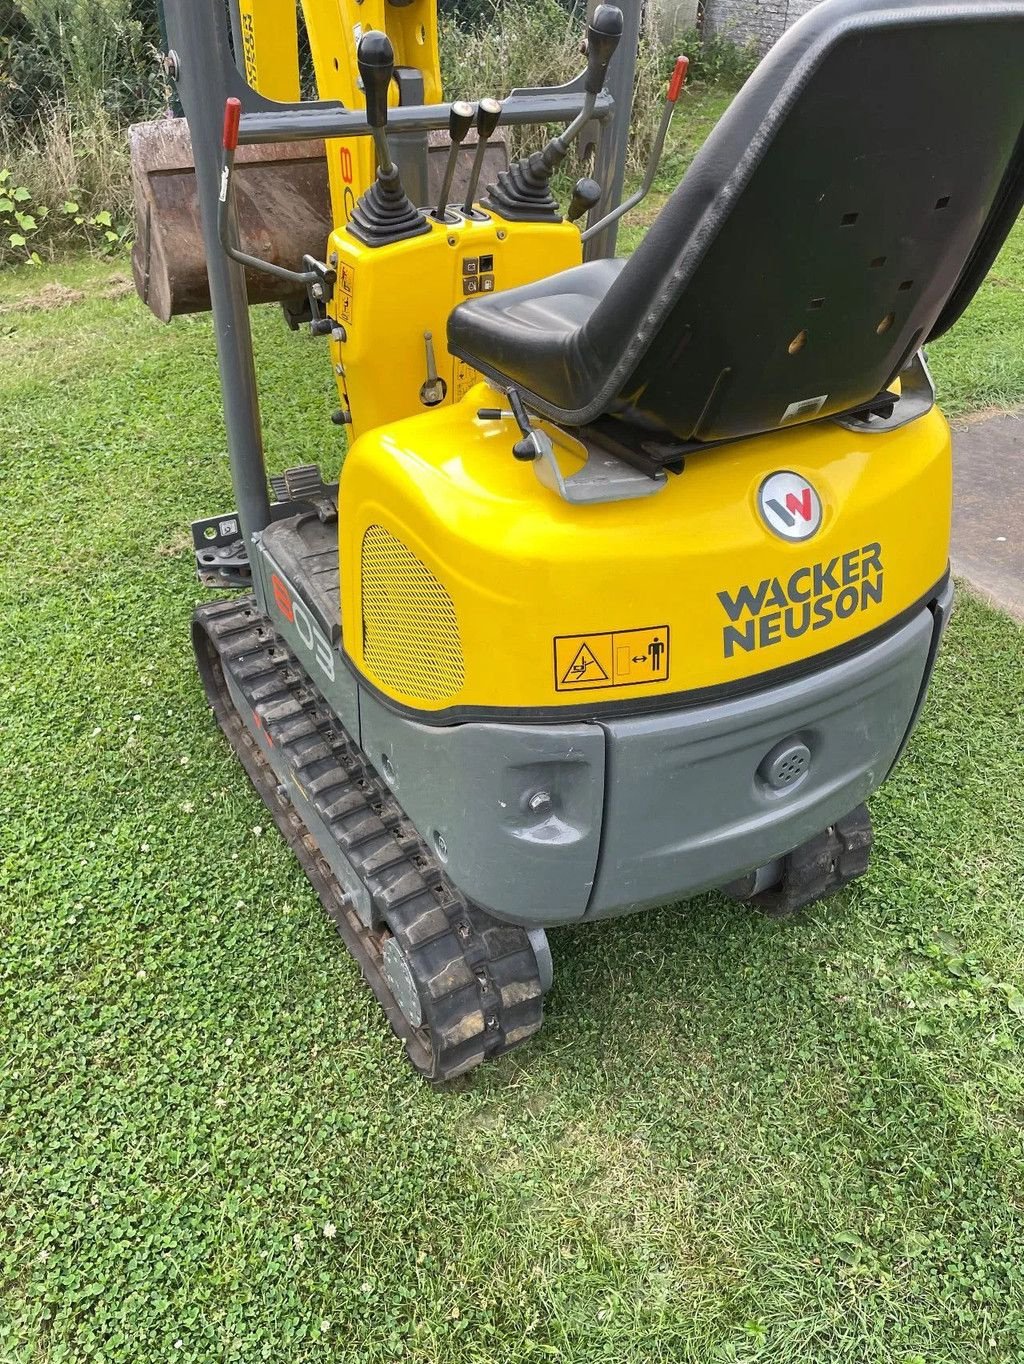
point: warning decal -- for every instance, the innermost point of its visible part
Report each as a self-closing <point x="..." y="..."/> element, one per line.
<point x="617" y="658"/>
<point x="344" y="294"/>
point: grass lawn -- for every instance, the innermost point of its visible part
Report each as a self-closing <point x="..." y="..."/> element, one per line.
<point x="735" y="1139"/>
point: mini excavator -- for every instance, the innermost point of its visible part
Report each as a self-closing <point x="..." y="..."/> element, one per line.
<point x="633" y="578"/>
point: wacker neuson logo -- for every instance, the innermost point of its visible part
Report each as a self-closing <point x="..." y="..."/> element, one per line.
<point x="810" y="598"/>
<point x="789" y="505"/>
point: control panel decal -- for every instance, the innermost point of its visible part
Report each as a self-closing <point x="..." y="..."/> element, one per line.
<point x="478" y="274"/>
<point x="346" y="291"/>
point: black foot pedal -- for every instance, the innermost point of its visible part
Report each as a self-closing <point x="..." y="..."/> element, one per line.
<point x="305" y="483"/>
<point x="819" y="867"/>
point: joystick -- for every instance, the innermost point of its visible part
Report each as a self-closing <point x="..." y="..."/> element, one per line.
<point x="524" y="191"/>
<point x="384" y="213"/>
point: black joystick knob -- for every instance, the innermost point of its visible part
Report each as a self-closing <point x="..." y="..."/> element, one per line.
<point x="603" y="33"/>
<point x="585" y="195"/>
<point x="383" y="213"/>
<point x="487" y="115"/>
<point x="375" y="58"/>
<point x="460" y="120"/>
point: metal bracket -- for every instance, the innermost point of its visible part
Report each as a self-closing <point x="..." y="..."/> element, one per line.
<point x="603" y="478"/>
<point x="221" y="558"/>
<point x="917" y="396"/>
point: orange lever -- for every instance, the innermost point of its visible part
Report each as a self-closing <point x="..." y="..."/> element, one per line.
<point x="232" y="115"/>
<point x="678" y="80"/>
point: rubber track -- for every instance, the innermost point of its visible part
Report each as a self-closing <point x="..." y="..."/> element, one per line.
<point x="477" y="978"/>
<point x="821" y="866"/>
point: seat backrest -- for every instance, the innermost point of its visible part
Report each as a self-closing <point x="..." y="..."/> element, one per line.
<point x="844" y="210"/>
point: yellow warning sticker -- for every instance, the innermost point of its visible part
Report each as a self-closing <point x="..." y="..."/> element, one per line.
<point x="617" y="658"/>
<point x="345" y="293"/>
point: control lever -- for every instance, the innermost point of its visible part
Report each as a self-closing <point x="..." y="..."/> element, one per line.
<point x="434" y="389"/>
<point x="460" y="120"/>
<point x="603" y="33"/>
<point x="531" y="444"/>
<point x="375" y="58"/>
<point x="675" y="89"/>
<point x="585" y="195"/>
<point x="487" y="115"/>
<point x="318" y="278"/>
<point x="383" y="213"/>
<point x="523" y="191"/>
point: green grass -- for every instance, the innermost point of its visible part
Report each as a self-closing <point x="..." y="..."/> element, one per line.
<point x="735" y="1139"/>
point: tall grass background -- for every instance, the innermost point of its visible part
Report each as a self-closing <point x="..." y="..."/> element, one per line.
<point x="73" y="75"/>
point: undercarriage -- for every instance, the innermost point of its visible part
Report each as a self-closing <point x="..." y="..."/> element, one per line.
<point x="456" y="985"/>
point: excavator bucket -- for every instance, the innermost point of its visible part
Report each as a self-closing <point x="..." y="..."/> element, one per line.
<point x="284" y="213"/>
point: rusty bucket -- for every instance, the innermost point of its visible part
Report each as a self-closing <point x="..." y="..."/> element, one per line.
<point x="284" y="213"/>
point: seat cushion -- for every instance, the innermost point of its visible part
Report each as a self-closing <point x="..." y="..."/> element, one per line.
<point x="530" y="335"/>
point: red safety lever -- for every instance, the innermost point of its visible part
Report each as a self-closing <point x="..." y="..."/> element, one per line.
<point x="232" y="115"/>
<point x="675" y="85"/>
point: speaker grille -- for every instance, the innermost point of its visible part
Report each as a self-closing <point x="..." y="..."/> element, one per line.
<point x="410" y="631"/>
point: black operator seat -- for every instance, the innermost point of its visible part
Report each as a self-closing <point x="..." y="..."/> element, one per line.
<point x="844" y="210"/>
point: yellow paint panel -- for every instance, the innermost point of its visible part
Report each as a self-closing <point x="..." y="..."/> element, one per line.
<point x="270" y="47"/>
<point x="523" y="568"/>
<point x="388" y="298"/>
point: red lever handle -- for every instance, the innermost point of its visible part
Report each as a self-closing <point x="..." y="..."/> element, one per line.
<point x="678" y="80"/>
<point x="232" y="115"/>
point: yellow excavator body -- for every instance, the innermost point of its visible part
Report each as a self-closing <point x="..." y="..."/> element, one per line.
<point x="468" y="584"/>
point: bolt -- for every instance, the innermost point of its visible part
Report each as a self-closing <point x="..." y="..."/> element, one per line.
<point x="171" y="65"/>
<point x="502" y="234"/>
<point x="481" y="979"/>
<point x="463" y="930"/>
<point x="441" y="845"/>
<point x="492" y="1022"/>
<point x="540" y="800"/>
<point x="318" y="291"/>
